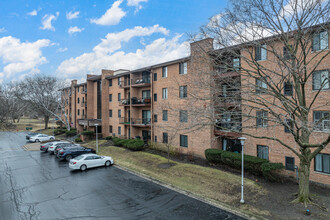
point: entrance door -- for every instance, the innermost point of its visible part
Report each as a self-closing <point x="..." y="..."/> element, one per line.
<point x="146" y="116"/>
<point x="146" y="135"/>
<point x="146" y="77"/>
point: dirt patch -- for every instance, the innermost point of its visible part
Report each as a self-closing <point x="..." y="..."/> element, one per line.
<point x="166" y="165"/>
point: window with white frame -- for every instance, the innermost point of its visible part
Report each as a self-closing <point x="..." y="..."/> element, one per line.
<point x="183" y="68"/>
<point x="262" y="119"/>
<point x="165" y="93"/>
<point x="322" y="120"/>
<point x="263" y="152"/>
<point x="183" y="140"/>
<point x="183" y="92"/>
<point x="320" y="40"/>
<point x="261" y="85"/>
<point x="164" y="72"/>
<point x="322" y="163"/>
<point x="321" y="80"/>
<point x="261" y="52"/>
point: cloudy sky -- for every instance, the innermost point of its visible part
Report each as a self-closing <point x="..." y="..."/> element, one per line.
<point x="71" y="38"/>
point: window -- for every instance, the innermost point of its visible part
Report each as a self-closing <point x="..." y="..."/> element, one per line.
<point x="286" y="52"/>
<point x="321" y="80"/>
<point x="261" y="85"/>
<point x="83" y="100"/>
<point x="183" y="115"/>
<point x="110" y="113"/>
<point x="164" y="72"/>
<point x="261" y="53"/>
<point x="110" y="82"/>
<point x="155" y="97"/>
<point x="119" y="113"/>
<point x="83" y="112"/>
<point x="183" y="68"/>
<point x="165" y="95"/>
<point x="146" y="94"/>
<point x="78" y="111"/>
<point x="322" y="163"/>
<point x="110" y="129"/>
<point x="262" y="117"/>
<point x="236" y="64"/>
<point x="119" y="96"/>
<point x="155" y="118"/>
<point x="262" y="152"/>
<point x="119" y="130"/>
<point x="324" y="124"/>
<point x="183" y="140"/>
<point x="165" y="118"/>
<point x="288" y="126"/>
<point x="289" y="163"/>
<point x="78" y="100"/>
<point x="320" y="41"/>
<point x="183" y="91"/>
<point x="165" y="138"/>
<point x="155" y="139"/>
<point x="288" y="89"/>
<point x="110" y="97"/>
<point x="119" y="81"/>
<point x="78" y="89"/>
<point x="155" y="76"/>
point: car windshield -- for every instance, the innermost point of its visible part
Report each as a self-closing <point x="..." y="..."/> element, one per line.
<point x="79" y="157"/>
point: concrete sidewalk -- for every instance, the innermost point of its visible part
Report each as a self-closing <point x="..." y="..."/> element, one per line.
<point x="32" y="146"/>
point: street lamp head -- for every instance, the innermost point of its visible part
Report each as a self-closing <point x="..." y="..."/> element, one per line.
<point x="242" y="140"/>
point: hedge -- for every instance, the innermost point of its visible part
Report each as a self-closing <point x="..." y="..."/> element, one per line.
<point x="59" y="131"/>
<point x="213" y="155"/>
<point x="269" y="171"/>
<point x="78" y="140"/>
<point x="108" y="138"/>
<point x="87" y="133"/>
<point x="72" y="132"/>
<point x="134" y="144"/>
<point x="251" y="163"/>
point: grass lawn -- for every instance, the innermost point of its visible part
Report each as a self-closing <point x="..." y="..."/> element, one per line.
<point x="215" y="185"/>
<point x="36" y="124"/>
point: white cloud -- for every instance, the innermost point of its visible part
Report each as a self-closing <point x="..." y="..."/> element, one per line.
<point x="61" y="50"/>
<point x="74" y="29"/>
<point x="72" y="15"/>
<point x="2" y="30"/>
<point x="107" y="54"/>
<point x="47" y="21"/>
<point x="136" y="3"/>
<point x="33" y="13"/>
<point x="112" y="16"/>
<point x="20" y="57"/>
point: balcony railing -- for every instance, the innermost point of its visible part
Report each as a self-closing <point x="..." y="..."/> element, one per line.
<point x="138" y="122"/>
<point x="125" y="84"/>
<point x="142" y="81"/>
<point x="135" y="102"/>
<point x="125" y="121"/>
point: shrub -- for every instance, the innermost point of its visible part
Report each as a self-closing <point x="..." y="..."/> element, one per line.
<point x="108" y="138"/>
<point x="251" y="163"/>
<point x="71" y="132"/>
<point x="90" y="133"/>
<point x="59" y="131"/>
<point x="213" y="155"/>
<point x="269" y="171"/>
<point x="77" y="140"/>
<point x="116" y="141"/>
<point x="134" y="144"/>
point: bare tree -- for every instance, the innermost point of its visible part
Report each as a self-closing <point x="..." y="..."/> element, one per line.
<point x="45" y="96"/>
<point x="270" y="70"/>
<point x="3" y="109"/>
<point x="16" y="107"/>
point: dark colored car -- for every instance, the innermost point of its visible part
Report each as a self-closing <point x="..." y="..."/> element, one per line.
<point x="61" y="146"/>
<point x="30" y="135"/>
<point x="44" y="147"/>
<point x="67" y="153"/>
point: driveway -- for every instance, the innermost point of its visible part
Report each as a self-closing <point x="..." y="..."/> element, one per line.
<point x="35" y="185"/>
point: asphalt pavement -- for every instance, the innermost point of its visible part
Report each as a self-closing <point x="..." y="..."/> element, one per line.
<point x="36" y="185"/>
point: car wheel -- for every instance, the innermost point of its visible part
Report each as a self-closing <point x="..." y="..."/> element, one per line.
<point x="107" y="163"/>
<point x="83" y="167"/>
<point x="51" y="138"/>
<point x="68" y="157"/>
<point x="46" y="150"/>
<point x="37" y="140"/>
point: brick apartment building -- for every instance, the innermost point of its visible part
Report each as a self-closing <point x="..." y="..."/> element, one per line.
<point x="153" y="103"/>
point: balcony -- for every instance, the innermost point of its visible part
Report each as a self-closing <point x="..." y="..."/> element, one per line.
<point x="143" y="81"/>
<point x="125" y="121"/>
<point x="84" y="91"/>
<point x="228" y="129"/>
<point x="141" y="122"/>
<point x="125" y="84"/>
<point x="136" y="102"/>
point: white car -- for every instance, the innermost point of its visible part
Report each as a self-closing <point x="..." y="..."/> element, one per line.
<point x="85" y="161"/>
<point x="41" y="137"/>
<point x="53" y="145"/>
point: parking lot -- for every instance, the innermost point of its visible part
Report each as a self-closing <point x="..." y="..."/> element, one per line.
<point x="36" y="185"/>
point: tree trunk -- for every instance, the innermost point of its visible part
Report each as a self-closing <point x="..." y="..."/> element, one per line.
<point x="303" y="172"/>
<point x="46" y="121"/>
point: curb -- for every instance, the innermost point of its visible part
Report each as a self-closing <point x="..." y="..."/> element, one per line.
<point x="216" y="204"/>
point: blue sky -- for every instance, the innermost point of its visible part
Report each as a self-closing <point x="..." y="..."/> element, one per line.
<point x="74" y="37"/>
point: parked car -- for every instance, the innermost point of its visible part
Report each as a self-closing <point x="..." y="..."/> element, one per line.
<point x="30" y="134"/>
<point x="51" y="148"/>
<point x="41" y="137"/>
<point x="86" y="161"/>
<point x="45" y="146"/>
<point x="67" y="153"/>
<point x="62" y="145"/>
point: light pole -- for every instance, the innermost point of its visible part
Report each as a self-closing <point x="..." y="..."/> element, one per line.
<point x="97" y="143"/>
<point x="242" y="140"/>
